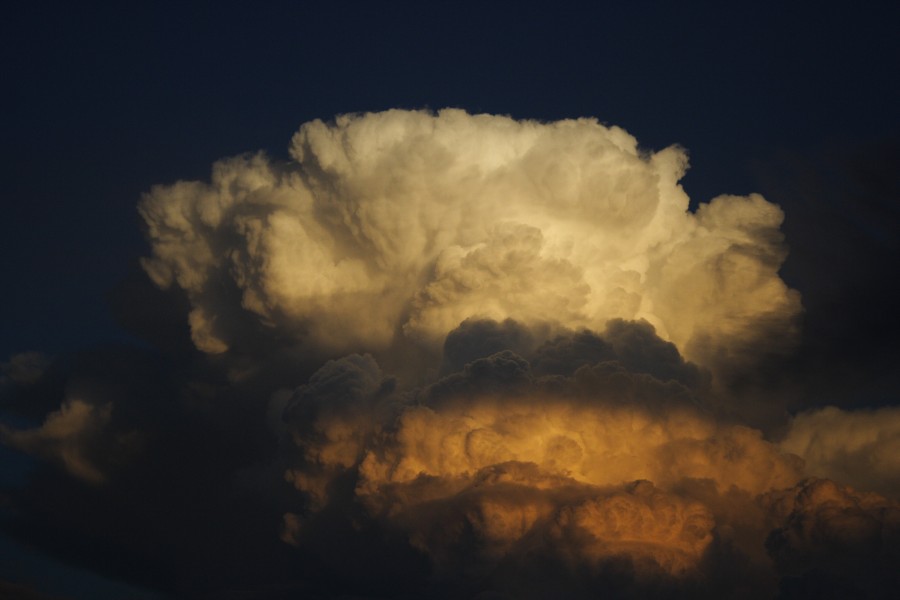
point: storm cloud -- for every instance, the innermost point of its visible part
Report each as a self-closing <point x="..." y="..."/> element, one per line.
<point x="455" y="355"/>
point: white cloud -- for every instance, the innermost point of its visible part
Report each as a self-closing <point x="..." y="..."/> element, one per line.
<point x="394" y="227"/>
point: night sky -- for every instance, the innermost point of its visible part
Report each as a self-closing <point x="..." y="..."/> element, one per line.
<point x="209" y="389"/>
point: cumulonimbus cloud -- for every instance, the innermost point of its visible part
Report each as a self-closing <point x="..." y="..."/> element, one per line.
<point x="400" y="225"/>
<point x="560" y="321"/>
<point x="582" y="308"/>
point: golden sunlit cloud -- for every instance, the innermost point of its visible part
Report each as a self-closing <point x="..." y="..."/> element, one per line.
<point x="589" y="468"/>
<point x="502" y="355"/>
<point x="507" y="242"/>
<point x="859" y="448"/>
<point x="67" y="436"/>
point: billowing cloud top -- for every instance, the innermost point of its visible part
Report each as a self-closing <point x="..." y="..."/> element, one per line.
<point x="398" y="226"/>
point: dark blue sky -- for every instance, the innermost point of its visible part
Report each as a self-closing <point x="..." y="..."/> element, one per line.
<point x="104" y="102"/>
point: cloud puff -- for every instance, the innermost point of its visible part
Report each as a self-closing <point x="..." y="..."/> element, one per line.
<point x="24" y="368"/>
<point x="587" y="466"/>
<point x="395" y="227"/>
<point x="333" y="418"/>
<point x="71" y="436"/>
<point x="643" y="523"/>
<point x="860" y="448"/>
<point x="594" y="444"/>
<point x="835" y="541"/>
